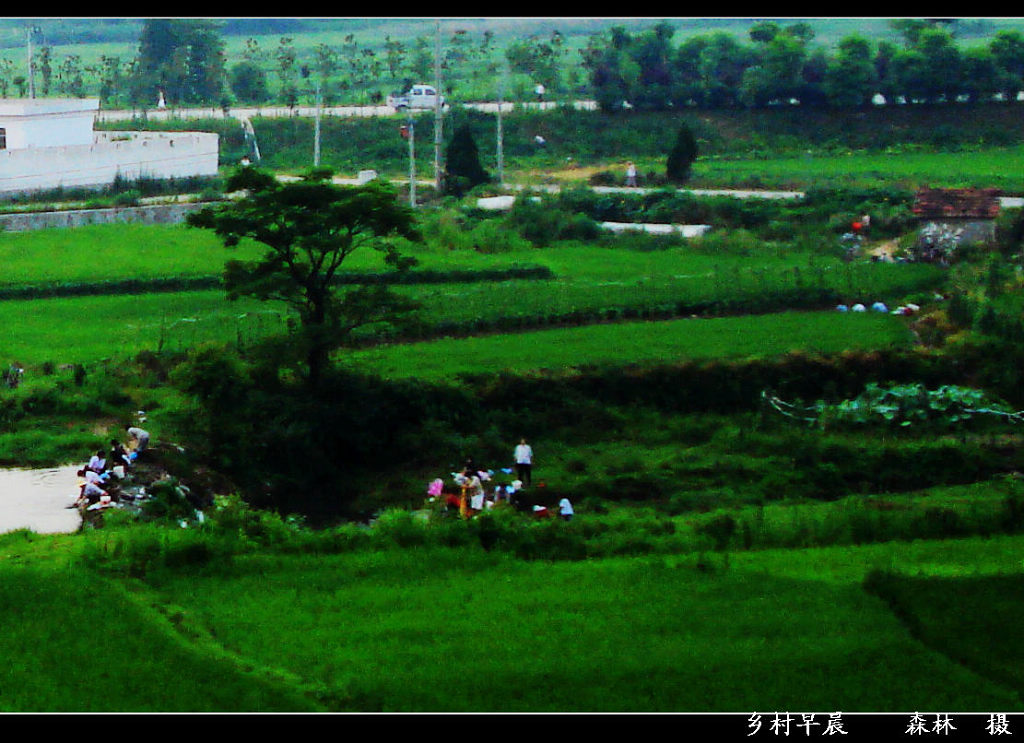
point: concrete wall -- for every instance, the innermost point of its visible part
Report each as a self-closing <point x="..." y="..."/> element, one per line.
<point x="47" y="122"/>
<point x="132" y="155"/>
<point x="157" y="214"/>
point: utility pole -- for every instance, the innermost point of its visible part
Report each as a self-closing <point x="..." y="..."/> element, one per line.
<point x="500" y="152"/>
<point x="31" y="71"/>
<point x="437" y="107"/>
<point x="316" y="128"/>
<point x="316" y="118"/>
<point x="410" y="131"/>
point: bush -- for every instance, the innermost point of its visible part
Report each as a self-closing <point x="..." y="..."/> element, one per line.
<point x="681" y="158"/>
<point x="399" y="527"/>
<point x="720" y="529"/>
<point x="168" y="501"/>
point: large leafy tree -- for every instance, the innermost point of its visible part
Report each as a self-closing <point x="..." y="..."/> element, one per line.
<point x="184" y="58"/>
<point x="850" y="78"/>
<point x="249" y="82"/>
<point x="309" y="228"/>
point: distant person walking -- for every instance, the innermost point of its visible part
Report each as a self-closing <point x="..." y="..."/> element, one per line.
<point x="524" y="461"/>
<point x="631" y="175"/>
<point x="539" y="92"/>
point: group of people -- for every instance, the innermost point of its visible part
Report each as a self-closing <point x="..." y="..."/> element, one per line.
<point x="100" y="475"/>
<point x="470" y="495"/>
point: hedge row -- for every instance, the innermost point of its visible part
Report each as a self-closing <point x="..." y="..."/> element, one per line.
<point x="716" y="386"/>
<point x="199" y="283"/>
<point x="775" y="301"/>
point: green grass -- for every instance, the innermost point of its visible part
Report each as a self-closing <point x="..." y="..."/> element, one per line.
<point x="455" y="630"/>
<point x="90" y="329"/>
<point x="977" y="639"/>
<point x="990" y="168"/>
<point x="105" y="252"/>
<point x="74" y="642"/>
<point x="435" y="629"/>
<point x="589" y="279"/>
<point x="98" y="253"/>
<point x="641" y="343"/>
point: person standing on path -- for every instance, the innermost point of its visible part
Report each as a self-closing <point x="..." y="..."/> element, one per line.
<point x="631" y="175"/>
<point x="524" y="461"/>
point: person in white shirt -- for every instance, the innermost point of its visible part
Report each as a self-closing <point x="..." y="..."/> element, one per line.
<point x="631" y="175"/>
<point x="476" y="493"/>
<point x="524" y="461"/>
<point x="98" y="462"/>
<point x="140" y="436"/>
<point x="565" y="509"/>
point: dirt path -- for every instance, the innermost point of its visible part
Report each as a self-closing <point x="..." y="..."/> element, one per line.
<point x="886" y="250"/>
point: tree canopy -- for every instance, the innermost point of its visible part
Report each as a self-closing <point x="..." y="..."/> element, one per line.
<point x="309" y="228"/>
<point x="184" y="58"/>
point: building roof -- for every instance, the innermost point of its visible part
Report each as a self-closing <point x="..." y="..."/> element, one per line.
<point x="957" y="203"/>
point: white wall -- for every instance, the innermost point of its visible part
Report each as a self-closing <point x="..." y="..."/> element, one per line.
<point x="129" y="154"/>
<point x="47" y="122"/>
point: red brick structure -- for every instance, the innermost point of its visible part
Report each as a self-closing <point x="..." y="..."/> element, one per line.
<point x="972" y="210"/>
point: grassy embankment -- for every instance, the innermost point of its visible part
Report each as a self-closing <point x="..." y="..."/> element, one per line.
<point x="457" y="628"/>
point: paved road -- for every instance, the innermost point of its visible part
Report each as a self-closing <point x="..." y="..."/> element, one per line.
<point x="341" y="111"/>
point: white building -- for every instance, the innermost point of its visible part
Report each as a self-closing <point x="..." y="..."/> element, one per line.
<point x="48" y="143"/>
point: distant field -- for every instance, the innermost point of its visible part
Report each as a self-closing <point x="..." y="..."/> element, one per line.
<point x="589" y="279"/>
<point x="989" y="168"/>
<point x="118" y="251"/>
<point x="650" y="342"/>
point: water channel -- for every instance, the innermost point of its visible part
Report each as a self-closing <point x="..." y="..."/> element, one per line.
<point x="37" y="499"/>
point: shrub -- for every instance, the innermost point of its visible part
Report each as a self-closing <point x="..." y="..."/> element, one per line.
<point x="681" y="158"/>
<point x="720" y="529"/>
<point x="399" y="527"/>
<point x="168" y="501"/>
<point x="127" y="198"/>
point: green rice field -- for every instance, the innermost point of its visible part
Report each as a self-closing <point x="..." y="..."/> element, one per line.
<point x="455" y="630"/>
<point x="82" y="329"/>
<point x="989" y="167"/>
<point x="639" y="343"/>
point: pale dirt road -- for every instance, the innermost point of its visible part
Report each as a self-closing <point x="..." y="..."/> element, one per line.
<point x="248" y="112"/>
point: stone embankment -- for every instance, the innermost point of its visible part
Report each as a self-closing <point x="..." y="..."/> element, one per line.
<point x="144" y="214"/>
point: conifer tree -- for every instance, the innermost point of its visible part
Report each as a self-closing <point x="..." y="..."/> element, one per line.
<point x="462" y="165"/>
<point x="681" y="158"/>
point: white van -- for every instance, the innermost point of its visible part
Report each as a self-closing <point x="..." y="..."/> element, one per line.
<point x="419" y="96"/>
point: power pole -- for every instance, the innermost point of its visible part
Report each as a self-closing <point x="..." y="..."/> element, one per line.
<point x="411" y="131"/>
<point x="316" y="128"/>
<point x="500" y="153"/>
<point x="31" y="70"/>
<point x="437" y="108"/>
<point x="316" y="117"/>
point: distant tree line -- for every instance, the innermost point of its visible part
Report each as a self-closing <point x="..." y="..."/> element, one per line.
<point x="185" y="61"/>
<point x="779" y="65"/>
<point x="181" y="59"/>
